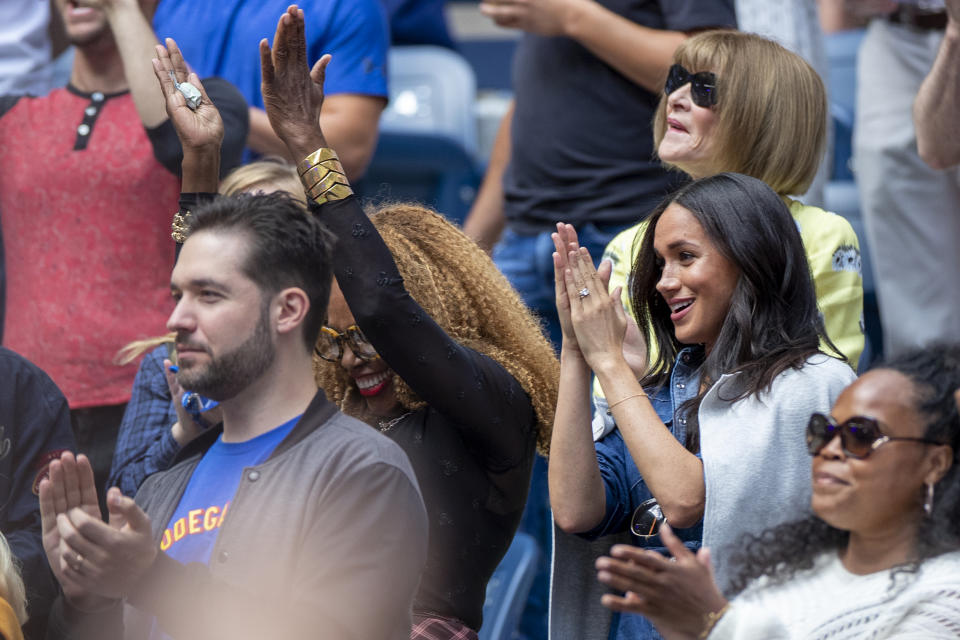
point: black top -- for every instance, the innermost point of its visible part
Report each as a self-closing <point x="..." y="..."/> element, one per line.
<point x="472" y="448"/>
<point x="582" y="141"/>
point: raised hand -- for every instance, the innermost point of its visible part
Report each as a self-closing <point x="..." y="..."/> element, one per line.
<point x="292" y="92"/>
<point x="675" y="594"/>
<point x="200" y="128"/>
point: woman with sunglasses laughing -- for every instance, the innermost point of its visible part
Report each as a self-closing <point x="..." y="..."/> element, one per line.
<point x="879" y="557"/>
<point x="711" y="438"/>
<point x="739" y="102"/>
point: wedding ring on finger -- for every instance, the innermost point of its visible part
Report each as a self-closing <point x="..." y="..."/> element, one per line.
<point x="583" y="293"/>
<point x="77" y="562"/>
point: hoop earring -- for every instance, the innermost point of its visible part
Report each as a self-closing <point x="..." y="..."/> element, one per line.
<point x="928" y="503"/>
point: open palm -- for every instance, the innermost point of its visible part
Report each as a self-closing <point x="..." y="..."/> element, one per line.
<point x="196" y="128"/>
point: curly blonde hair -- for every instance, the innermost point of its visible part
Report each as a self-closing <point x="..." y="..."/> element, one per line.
<point x="464" y="292"/>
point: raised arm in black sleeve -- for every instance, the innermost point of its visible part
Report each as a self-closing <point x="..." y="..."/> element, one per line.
<point x="467" y="387"/>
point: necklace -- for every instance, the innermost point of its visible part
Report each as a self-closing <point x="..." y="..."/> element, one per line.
<point x="386" y="425"/>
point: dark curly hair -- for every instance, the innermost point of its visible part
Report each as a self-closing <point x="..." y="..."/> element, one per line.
<point x="782" y="551"/>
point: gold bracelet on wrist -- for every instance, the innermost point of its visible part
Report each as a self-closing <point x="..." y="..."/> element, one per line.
<point x="180" y="226"/>
<point x="323" y="177"/>
<point x="636" y="395"/>
<point x="711" y="619"/>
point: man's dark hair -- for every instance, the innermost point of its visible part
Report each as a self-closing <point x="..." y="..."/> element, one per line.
<point x="288" y="247"/>
<point x="773" y="323"/>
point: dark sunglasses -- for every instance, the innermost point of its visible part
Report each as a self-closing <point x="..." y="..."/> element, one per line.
<point x="859" y="436"/>
<point x="703" y="85"/>
<point x="647" y="519"/>
<point x="330" y="344"/>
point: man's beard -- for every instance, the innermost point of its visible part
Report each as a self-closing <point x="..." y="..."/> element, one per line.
<point x="227" y="375"/>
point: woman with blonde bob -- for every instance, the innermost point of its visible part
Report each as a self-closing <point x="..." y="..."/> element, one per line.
<point x="738" y="102"/>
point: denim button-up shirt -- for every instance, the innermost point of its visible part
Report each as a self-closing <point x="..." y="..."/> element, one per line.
<point x="624" y="486"/>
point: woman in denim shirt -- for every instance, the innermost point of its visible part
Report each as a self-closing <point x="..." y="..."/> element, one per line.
<point x="713" y="430"/>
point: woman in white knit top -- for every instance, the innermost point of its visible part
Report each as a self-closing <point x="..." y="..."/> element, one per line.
<point x="879" y="559"/>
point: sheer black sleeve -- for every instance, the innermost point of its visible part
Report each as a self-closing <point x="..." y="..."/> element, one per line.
<point x="471" y="389"/>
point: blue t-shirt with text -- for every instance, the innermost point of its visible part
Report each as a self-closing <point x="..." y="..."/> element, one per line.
<point x="192" y="531"/>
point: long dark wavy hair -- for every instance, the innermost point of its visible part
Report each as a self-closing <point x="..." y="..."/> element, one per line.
<point x="773" y="322"/>
<point x="782" y="551"/>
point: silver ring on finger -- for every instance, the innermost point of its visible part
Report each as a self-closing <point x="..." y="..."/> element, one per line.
<point x="78" y="562"/>
<point x="583" y="293"/>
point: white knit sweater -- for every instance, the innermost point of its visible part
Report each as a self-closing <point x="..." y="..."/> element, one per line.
<point x="829" y="602"/>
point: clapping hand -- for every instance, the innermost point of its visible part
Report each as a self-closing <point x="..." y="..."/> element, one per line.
<point x="68" y="486"/>
<point x="292" y="92"/>
<point x="94" y="561"/>
<point x="565" y="241"/>
<point x="597" y="317"/>
<point x="675" y="594"/>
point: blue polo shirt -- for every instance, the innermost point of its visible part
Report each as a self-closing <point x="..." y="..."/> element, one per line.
<point x="221" y="38"/>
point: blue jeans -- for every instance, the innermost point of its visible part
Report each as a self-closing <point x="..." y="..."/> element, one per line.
<point x="527" y="261"/>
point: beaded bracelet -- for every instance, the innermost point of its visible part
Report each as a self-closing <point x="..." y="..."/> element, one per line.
<point x="323" y="176"/>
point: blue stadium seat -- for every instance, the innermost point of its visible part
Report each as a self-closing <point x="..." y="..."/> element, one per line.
<point x="427" y="168"/>
<point x="428" y="134"/>
<point x="432" y="90"/>
<point x="508" y="588"/>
